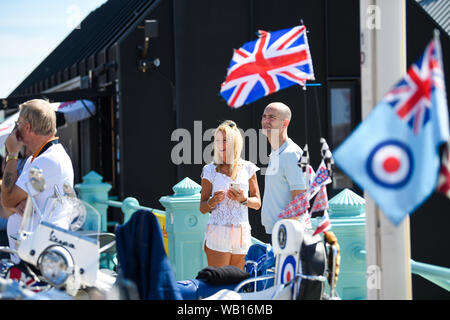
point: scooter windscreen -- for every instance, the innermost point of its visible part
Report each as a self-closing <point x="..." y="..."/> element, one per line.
<point x="71" y="213"/>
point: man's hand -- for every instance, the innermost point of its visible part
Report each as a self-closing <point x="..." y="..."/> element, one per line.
<point x="295" y="193"/>
<point x="12" y="144"/>
<point x="12" y="195"/>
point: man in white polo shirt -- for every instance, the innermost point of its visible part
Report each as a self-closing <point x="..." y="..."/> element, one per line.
<point x="284" y="179"/>
<point x="35" y="129"/>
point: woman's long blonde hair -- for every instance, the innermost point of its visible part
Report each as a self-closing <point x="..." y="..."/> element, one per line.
<point x="234" y="146"/>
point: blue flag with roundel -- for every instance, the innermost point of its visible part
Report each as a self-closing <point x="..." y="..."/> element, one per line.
<point x="394" y="153"/>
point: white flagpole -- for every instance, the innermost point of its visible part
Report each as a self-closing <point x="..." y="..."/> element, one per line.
<point x="383" y="63"/>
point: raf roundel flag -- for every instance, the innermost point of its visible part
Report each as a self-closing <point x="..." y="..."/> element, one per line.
<point x="394" y="153"/>
<point x="276" y="60"/>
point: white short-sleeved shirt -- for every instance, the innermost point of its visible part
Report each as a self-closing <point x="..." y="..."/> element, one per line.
<point x="57" y="170"/>
<point x="229" y="211"/>
<point x="283" y="175"/>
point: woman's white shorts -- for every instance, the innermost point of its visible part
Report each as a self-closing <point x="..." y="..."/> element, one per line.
<point x="229" y="238"/>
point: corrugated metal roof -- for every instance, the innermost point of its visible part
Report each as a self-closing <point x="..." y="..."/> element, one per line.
<point x="98" y="31"/>
<point x="439" y="10"/>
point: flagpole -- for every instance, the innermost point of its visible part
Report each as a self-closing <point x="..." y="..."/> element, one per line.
<point x="383" y="63"/>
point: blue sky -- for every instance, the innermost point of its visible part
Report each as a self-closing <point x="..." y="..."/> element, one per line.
<point x="30" y="30"/>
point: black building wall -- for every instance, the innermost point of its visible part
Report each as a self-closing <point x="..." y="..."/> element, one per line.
<point x="147" y="116"/>
<point x="195" y="44"/>
<point x="206" y="32"/>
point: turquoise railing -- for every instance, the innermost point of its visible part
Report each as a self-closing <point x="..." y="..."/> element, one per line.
<point x="130" y="205"/>
<point x="436" y="274"/>
<point x="440" y="276"/>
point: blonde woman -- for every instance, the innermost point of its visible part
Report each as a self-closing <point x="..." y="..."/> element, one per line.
<point x="229" y="188"/>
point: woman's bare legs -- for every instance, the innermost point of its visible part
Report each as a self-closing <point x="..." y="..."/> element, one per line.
<point x="220" y="259"/>
<point x="238" y="260"/>
<point x="217" y="258"/>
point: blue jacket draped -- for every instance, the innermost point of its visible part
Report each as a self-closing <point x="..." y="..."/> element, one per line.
<point x="142" y="259"/>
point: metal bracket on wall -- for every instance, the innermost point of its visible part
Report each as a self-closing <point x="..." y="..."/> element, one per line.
<point x="150" y="31"/>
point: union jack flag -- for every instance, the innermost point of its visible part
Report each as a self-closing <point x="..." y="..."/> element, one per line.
<point x="321" y="200"/>
<point x="276" y="60"/>
<point x="411" y="96"/>
<point x="321" y="178"/>
<point x="296" y="207"/>
<point x="324" y="223"/>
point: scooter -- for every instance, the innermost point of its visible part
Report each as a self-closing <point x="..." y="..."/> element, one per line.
<point x="295" y="268"/>
<point x="59" y="251"/>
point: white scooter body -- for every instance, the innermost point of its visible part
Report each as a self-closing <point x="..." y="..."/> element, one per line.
<point x="287" y="238"/>
<point x="66" y="254"/>
<point x="84" y="250"/>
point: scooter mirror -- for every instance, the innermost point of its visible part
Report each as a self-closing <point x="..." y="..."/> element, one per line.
<point x="68" y="191"/>
<point x="37" y="179"/>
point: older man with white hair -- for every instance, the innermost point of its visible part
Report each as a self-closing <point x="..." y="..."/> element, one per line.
<point x="35" y="129"/>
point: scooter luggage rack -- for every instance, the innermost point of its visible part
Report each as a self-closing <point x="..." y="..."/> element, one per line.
<point x="255" y="271"/>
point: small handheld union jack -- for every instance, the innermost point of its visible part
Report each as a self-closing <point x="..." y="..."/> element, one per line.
<point x="276" y="60"/>
<point x="296" y="207"/>
<point x="322" y="177"/>
<point x="321" y="200"/>
<point x="324" y="224"/>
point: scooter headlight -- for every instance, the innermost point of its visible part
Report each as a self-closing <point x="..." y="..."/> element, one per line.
<point x="56" y="265"/>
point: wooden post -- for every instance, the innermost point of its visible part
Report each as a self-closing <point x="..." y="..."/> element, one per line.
<point x="383" y="63"/>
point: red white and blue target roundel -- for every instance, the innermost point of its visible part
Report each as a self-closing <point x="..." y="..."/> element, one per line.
<point x="288" y="269"/>
<point x="390" y="164"/>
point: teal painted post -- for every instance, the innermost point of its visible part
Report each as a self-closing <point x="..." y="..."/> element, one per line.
<point x="186" y="227"/>
<point x="92" y="190"/>
<point x="347" y="215"/>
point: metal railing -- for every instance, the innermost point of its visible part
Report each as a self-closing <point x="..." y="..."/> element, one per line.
<point x="436" y="274"/>
<point x="129" y="206"/>
<point x="440" y="276"/>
